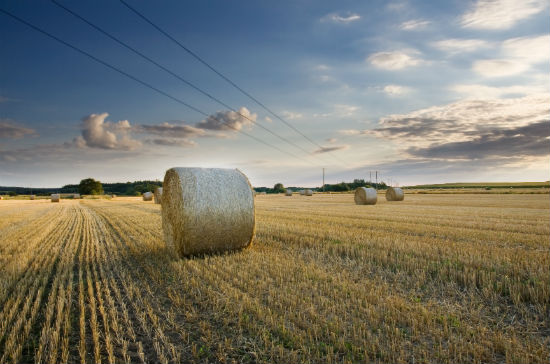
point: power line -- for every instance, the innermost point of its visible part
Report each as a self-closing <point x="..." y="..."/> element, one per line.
<point x="114" y="68"/>
<point x="197" y="57"/>
<point x="188" y="83"/>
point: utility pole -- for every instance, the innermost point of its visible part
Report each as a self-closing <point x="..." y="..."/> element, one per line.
<point x="323" y="179"/>
<point x="370" y="177"/>
<point x="376" y="172"/>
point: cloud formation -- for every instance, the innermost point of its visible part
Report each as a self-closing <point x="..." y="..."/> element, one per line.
<point x="396" y="90"/>
<point x="330" y="149"/>
<point x="98" y="133"/>
<point x="9" y="129"/>
<point x="476" y="91"/>
<point x="394" y="60"/>
<point x="455" y="46"/>
<point x="471" y="129"/>
<point x="500" y="14"/>
<point x="414" y="24"/>
<point x="342" y="19"/>
<point x="228" y="120"/>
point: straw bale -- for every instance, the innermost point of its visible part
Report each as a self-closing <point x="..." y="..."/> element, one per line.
<point x="76" y="196"/>
<point x="288" y="192"/>
<point x="148" y="196"/>
<point x="308" y="192"/>
<point x="395" y="194"/>
<point x="206" y="210"/>
<point x="158" y="195"/>
<point x="365" y="196"/>
<point x="32" y="197"/>
<point x="55" y="197"/>
<point x="302" y="192"/>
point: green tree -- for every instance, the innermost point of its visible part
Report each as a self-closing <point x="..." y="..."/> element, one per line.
<point x="90" y="186"/>
<point x="278" y="188"/>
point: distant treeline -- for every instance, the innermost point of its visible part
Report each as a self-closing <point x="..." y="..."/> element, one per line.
<point x="123" y="189"/>
<point x="338" y="187"/>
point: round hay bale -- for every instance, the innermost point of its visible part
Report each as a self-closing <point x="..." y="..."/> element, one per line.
<point x="76" y="196"/>
<point x="55" y="197"/>
<point x="32" y="197"/>
<point x="113" y="196"/>
<point x="206" y="210"/>
<point x="365" y="196"/>
<point x="148" y="196"/>
<point x="302" y="192"/>
<point x="308" y="192"/>
<point x="158" y="195"/>
<point x="1" y="197"/>
<point x="288" y="192"/>
<point x="395" y="194"/>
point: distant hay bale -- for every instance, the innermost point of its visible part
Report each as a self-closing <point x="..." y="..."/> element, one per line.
<point x="158" y="195"/>
<point x="32" y="197"/>
<point x="206" y="210"/>
<point x="263" y="193"/>
<point x="302" y="192"/>
<point x="76" y="196"/>
<point x="55" y="197"/>
<point x="288" y="192"/>
<point x="1" y="198"/>
<point x="113" y="196"/>
<point x="365" y="196"/>
<point x="308" y="192"/>
<point x="148" y="196"/>
<point x="395" y="194"/>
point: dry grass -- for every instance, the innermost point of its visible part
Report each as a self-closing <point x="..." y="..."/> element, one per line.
<point x="435" y="278"/>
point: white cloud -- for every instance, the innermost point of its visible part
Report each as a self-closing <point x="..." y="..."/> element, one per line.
<point x="322" y="67"/>
<point x="395" y="60"/>
<point x="531" y="50"/>
<point x="414" y="24"/>
<point x="97" y="133"/>
<point x="268" y="119"/>
<point x="396" y="90"/>
<point x="290" y="115"/>
<point x="330" y="149"/>
<point x="500" y="14"/>
<point x="474" y="91"/>
<point x="454" y="46"/>
<point x="228" y="120"/>
<point x="499" y="67"/>
<point x="342" y="19"/>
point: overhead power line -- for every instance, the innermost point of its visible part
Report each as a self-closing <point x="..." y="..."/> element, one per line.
<point x="116" y="69"/>
<point x="232" y="83"/>
<point x="172" y="73"/>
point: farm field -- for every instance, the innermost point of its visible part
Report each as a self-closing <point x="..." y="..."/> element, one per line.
<point x="435" y="278"/>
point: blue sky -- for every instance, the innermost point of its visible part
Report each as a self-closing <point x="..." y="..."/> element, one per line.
<point x="423" y="92"/>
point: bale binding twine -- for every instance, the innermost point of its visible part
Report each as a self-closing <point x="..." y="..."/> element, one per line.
<point x="365" y="196"/>
<point x="158" y="195"/>
<point x="395" y="194"/>
<point x="206" y="210"/>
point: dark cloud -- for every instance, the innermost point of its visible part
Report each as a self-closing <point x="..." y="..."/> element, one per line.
<point x="169" y="142"/>
<point x="9" y="129"/>
<point x="529" y="140"/>
<point x="171" y="130"/>
<point x="330" y="149"/>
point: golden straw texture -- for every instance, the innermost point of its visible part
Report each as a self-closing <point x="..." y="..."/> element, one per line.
<point x="207" y="210"/>
<point x="158" y="195"/>
<point x="365" y="196"/>
<point x="55" y="197"/>
<point x="148" y="196"/>
<point x="395" y="194"/>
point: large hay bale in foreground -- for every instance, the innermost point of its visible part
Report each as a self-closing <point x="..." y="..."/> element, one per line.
<point x="148" y="196"/>
<point x="308" y="192"/>
<point x="55" y="197"/>
<point x="365" y="196"/>
<point x="207" y="210"/>
<point x="288" y="192"/>
<point x="32" y="197"/>
<point x="395" y="194"/>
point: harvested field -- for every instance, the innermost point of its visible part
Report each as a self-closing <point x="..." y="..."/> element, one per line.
<point x="435" y="278"/>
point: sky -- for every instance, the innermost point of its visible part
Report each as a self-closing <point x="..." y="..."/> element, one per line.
<point x="420" y="91"/>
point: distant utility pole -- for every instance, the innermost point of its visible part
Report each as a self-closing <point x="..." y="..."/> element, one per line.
<point x="376" y="172"/>
<point x="370" y="177"/>
<point x="323" y="180"/>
